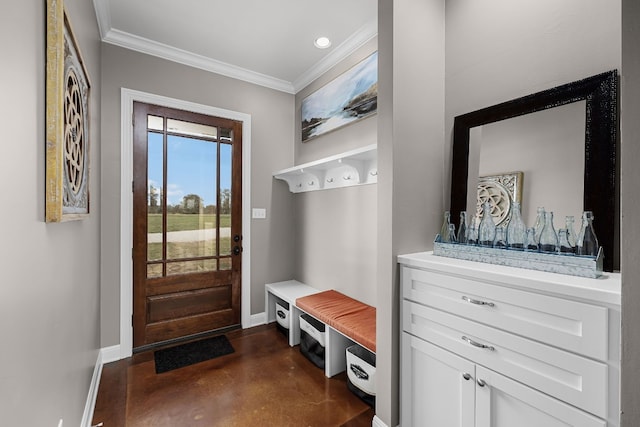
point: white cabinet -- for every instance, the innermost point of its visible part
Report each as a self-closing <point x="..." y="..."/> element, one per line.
<point x="438" y="387"/>
<point x="501" y="346"/>
<point x="502" y="402"/>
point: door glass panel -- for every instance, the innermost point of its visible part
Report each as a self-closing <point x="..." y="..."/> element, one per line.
<point x="225" y="134"/>
<point x="191" y="129"/>
<point x="225" y="263"/>
<point x="155" y="123"/>
<point x="154" y="195"/>
<point x="154" y="270"/>
<point x="225" y="200"/>
<point x="196" y="266"/>
<point x="191" y="184"/>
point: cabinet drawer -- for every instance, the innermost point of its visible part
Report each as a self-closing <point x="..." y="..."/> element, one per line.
<point x="571" y="325"/>
<point x="574" y="379"/>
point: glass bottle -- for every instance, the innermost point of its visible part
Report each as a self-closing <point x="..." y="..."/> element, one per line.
<point x="516" y="230"/>
<point x="587" y="240"/>
<point x="487" y="228"/>
<point x="564" y="247"/>
<point x="539" y="225"/>
<point x="571" y="233"/>
<point x="462" y="229"/>
<point x="548" y="238"/>
<point x="452" y="233"/>
<point x="444" y="230"/>
<point x="530" y="243"/>
<point x="500" y="241"/>
<point x="472" y="231"/>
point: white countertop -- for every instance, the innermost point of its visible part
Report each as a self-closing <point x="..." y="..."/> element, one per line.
<point x="603" y="290"/>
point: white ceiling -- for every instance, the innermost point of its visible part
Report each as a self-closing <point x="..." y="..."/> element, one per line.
<point x="267" y="42"/>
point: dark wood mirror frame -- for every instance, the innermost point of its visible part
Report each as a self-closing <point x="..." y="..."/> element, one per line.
<point x="600" y="147"/>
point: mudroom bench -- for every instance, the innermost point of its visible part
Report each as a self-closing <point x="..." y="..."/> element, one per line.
<point x="348" y="321"/>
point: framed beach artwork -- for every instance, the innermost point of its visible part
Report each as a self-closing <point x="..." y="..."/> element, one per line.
<point x="349" y="97"/>
<point x="67" y="121"/>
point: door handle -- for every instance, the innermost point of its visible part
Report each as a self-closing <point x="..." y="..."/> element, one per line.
<point x="477" y="302"/>
<point x="236" y="238"/>
<point x="477" y="344"/>
<point x="236" y="250"/>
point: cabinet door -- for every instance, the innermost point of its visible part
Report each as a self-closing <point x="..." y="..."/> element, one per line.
<point x="502" y="402"/>
<point x="437" y="386"/>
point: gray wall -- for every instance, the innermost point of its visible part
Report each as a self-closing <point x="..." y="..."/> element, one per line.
<point x="49" y="297"/>
<point x="336" y="229"/>
<point x="498" y="50"/>
<point x="272" y="113"/>
<point x="630" y="209"/>
<point x="410" y="169"/>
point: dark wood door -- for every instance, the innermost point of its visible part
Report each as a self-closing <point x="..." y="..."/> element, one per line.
<point x="187" y="228"/>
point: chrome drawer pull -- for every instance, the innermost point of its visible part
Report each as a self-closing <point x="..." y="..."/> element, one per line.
<point x="477" y="344"/>
<point x="477" y="302"/>
<point x="466" y="376"/>
<point x="481" y="382"/>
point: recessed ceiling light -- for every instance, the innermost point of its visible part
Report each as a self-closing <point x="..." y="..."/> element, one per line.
<point x="322" y="42"/>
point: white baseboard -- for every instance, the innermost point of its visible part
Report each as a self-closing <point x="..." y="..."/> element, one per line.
<point x="377" y="422"/>
<point x="111" y="354"/>
<point x="258" y="319"/>
<point x="90" y="404"/>
<point x="105" y="355"/>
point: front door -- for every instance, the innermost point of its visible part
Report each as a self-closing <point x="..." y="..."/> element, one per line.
<point x="187" y="229"/>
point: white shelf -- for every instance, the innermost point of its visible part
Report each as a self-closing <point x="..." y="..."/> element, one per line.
<point x="355" y="167"/>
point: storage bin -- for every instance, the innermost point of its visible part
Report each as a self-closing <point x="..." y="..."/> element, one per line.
<point x="361" y="373"/>
<point x="282" y="316"/>
<point x="312" y="339"/>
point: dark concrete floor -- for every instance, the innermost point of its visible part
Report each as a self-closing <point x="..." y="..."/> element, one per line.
<point x="263" y="383"/>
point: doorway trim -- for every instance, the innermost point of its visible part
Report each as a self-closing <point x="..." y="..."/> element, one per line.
<point x="128" y="96"/>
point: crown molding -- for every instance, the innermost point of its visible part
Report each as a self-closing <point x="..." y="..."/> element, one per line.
<point x="103" y="15"/>
<point x="150" y="47"/>
<point x="143" y="45"/>
<point x="342" y="51"/>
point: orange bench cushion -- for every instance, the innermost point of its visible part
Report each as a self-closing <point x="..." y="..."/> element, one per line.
<point x="351" y="317"/>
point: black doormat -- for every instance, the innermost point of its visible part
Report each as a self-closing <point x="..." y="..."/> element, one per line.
<point x="187" y="354"/>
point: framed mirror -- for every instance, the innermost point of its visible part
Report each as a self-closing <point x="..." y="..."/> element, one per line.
<point x="595" y="101"/>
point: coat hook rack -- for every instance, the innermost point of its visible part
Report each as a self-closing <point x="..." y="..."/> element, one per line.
<point x="355" y="167"/>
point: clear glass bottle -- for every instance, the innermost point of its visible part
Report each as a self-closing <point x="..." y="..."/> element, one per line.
<point x="587" y="240"/>
<point x="500" y="241"/>
<point x="444" y="230"/>
<point x="564" y="247"/>
<point x="487" y="228"/>
<point x="452" y="234"/>
<point x="530" y="243"/>
<point x="539" y="225"/>
<point x="571" y="233"/>
<point x="548" y="238"/>
<point x="516" y="230"/>
<point x="472" y="231"/>
<point x="462" y="228"/>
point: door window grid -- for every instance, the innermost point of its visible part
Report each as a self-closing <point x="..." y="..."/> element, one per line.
<point x="166" y="257"/>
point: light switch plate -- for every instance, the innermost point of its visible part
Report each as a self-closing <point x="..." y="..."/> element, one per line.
<point x="258" y="213"/>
